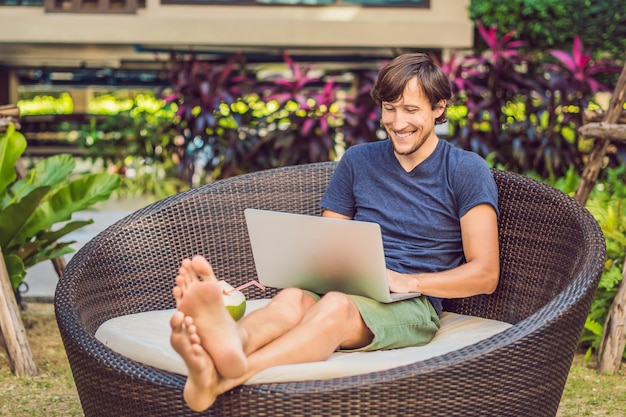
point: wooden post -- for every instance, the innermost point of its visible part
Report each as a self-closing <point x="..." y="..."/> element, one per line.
<point x="594" y="165"/>
<point x="613" y="342"/>
<point x="59" y="265"/>
<point x="13" y="332"/>
<point x="614" y="339"/>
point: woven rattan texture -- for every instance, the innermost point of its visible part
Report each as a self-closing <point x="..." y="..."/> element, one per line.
<point x="552" y="252"/>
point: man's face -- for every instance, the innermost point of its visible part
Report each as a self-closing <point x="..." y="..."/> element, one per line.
<point x="410" y="121"/>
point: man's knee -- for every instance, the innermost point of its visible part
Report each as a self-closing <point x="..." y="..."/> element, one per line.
<point x="294" y="295"/>
<point x="339" y="306"/>
<point x="294" y="301"/>
<point x="339" y="312"/>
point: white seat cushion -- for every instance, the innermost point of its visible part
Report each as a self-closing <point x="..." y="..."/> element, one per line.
<point x="145" y="338"/>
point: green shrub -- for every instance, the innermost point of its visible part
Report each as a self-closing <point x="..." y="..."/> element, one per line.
<point x="607" y="204"/>
<point x="36" y="211"/>
<point x="551" y="24"/>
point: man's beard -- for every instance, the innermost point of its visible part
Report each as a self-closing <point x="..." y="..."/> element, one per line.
<point x="413" y="148"/>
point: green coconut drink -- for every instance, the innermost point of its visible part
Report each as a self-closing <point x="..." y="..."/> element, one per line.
<point x="234" y="301"/>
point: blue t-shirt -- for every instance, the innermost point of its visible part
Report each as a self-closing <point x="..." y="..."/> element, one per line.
<point x="419" y="211"/>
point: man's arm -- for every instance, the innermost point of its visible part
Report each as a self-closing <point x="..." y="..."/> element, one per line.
<point x="329" y="213"/>
<point x="479" y="275"/>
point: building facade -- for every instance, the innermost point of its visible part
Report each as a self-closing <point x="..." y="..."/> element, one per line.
<point x="56" y="39"/>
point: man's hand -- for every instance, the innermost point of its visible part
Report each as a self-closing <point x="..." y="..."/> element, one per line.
<point x="401" y="283"/>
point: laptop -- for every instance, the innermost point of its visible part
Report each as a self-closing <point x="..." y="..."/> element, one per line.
<point x="319" y="254"/>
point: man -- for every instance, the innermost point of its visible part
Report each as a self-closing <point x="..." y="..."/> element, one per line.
<point x="437" y="207"/>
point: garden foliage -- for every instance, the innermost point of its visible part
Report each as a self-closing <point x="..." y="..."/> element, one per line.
<point x="233" y="123"/>
<point x="552" y="24"/>
<point x="520" y="109"/>
<point x="517" y="106"/>
<point x="518" y="101"/>
<point x="607" y="204"/>
<point x="36" y="211"/>
<point x="138" y="142"/>
<point x="525" y="112"/>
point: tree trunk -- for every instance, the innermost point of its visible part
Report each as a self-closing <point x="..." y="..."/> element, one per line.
<point x="614" y="339"/>
<point x="14" y="338"/>
<point x="613" y="342"/>
<point x="59" y="265"/>
<point x="592" y="170"/>
<point x="596" y="158"/>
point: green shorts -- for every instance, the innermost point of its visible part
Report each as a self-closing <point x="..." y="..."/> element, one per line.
<point x="412" y="322"/>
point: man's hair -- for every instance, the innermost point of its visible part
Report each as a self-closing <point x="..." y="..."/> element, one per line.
<point x="393" y="78"/>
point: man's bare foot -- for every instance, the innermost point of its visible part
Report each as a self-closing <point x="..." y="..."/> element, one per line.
<point x="185" y="276"/>
<point x="199" y="391"/>
<point x="202" y="301"/>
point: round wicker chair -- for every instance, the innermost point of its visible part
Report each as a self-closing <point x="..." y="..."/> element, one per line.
<point x="552" y="254"/>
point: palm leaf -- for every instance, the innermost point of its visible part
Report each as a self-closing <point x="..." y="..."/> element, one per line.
<point x="48" y="238"/>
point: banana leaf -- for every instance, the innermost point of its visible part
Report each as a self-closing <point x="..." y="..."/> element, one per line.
<point x="12" y="145"/>
<point x="52" y="171"/>
<point x="51" y="251"/>
<point x="76" y="196"/>
<point x="16" y="269"/>
<point x="14" y="217"/>
<point x="31" y="206"/>
<point x="48" y="238"/>
<point x="67" y="228"/>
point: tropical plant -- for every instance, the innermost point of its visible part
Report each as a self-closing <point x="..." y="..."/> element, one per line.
<point x="551" y="24"/>
<point x="230" y="125"/>
<point x="489" y="81"/>
<point x="36" y="210"/>
<point x="463" y="72"/>
<point x="33" y="103"/>
<point x="607" y="204"/>
<point x="144" y="130"/>
<point x="524" y="112"/>
<point x="575" y="75"/>
<point x="200" y="90"/>
<point x="361" y="113"/>
<point x="137" y="142"/>
<point x="308" y="105"/>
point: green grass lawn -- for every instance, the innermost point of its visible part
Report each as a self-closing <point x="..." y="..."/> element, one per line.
<point x="588" y="393"/>
<point x="53" y="393"/>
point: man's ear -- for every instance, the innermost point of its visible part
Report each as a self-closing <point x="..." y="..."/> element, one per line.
<point x="441" y="106"/>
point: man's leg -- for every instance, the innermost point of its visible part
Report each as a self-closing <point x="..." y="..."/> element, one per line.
<point x="203" y="383"/>
<point x="226" y="341"/>
<point x="319" y="334"/>
<point x="332" y="322"/>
